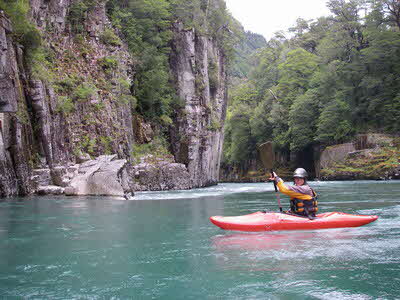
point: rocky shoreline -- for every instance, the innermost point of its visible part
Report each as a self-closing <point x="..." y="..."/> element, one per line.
<point x="346" y="176"/>
<point x="109" y="176"/>
<point x="394" y="175"/>
<point x="370" y="156"/>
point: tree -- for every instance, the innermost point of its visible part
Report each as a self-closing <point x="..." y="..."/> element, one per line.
<point x="261" y="128"/>
<point x="145" y="25"/>
<point x="334" y="124"/>
<point x="303" y="117"/>
<point x="294" y="74"/>
<point x="280" y="128"/>
<point x="392" y="9"/>
<point x="265" y="71"/>
<point x="239" y="145"/>
<point x="380" y="83"/>
<point x="310" y="37"/>
<point x="242" y="145"/>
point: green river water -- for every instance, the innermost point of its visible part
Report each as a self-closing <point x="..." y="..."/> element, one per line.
<point x="162" y="246"/>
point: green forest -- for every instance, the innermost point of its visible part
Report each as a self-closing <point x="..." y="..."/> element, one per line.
<point x="331" y="79"/>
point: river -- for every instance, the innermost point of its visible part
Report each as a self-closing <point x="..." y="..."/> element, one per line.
<point x="162" y="246"/>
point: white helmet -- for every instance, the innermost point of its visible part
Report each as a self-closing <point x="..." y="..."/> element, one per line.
<point x="300" y="173"/>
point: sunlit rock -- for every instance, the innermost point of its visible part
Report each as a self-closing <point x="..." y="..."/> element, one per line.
<point x="105" y="175"/>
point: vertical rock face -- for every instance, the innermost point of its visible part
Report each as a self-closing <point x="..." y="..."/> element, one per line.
<point x="8" y="184"/>
<point x="102" y="122"/>
<point x="49" y="13"/>
<point x="14" y="126"/>
<point x="8" y="80"/>
<point x="35" y="127"/>
<point x="198" y="66"/>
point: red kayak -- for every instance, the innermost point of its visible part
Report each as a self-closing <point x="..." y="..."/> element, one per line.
<point x="260" y="221"/>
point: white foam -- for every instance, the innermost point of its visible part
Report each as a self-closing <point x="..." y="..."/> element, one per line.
<point x="214" y="191"/>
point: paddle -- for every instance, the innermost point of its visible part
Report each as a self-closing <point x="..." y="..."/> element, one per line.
<point x="267" y="156"/>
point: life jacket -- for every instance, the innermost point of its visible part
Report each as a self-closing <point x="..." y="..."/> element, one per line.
<point x="301" y="207"/>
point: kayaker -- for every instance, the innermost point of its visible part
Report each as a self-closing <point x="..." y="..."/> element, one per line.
<point x="302" y="197"/>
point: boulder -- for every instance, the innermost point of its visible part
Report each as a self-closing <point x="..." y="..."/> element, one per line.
<point x="41" y="177"/>
<point x="160" y="176"/>
<point x="366" y="153"/>
<point x="69" y="191"/>
<point x="50" y="190"/>
<point x="59" y="176"/>
<point x="82" y="157"/>
<point x="105" y="175"/>
<point x="369" y="156"/>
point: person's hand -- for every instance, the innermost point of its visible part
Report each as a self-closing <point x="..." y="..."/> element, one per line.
<point x="273" y="177"/>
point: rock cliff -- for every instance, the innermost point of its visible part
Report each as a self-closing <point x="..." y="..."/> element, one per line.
<point x="79" y="104"/>
<point x="15" y="129"/>
<point x="71" y="107"/>
<point x="197" y="138"/>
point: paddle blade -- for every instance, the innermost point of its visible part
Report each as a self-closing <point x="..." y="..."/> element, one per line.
<point x="267" y="155"/>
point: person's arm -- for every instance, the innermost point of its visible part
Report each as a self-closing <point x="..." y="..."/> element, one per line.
<point x="292" y="191"/>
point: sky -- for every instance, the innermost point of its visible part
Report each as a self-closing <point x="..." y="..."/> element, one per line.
<point x="268" y="16"/>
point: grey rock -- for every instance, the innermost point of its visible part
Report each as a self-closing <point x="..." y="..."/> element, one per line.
<point x="196" y="143"/>
<point x="334" y="154"/>
<point x="8" y="76"/>
<point x="73" y="169"/>
<point x="42" y="176"/>
<point x="69" y="191"/>
<point x="105" y="175"/>
<point x="50" y="190"/>
<point x="83" y="157"/>
<point x="57" y="175"/>
<point x="53" y="135"/>
<point x="161" y="176"/>
<point x="44" y="132"/>
<point x="362" y="147"/>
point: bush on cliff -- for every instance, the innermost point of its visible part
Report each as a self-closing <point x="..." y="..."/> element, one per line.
<point x="37" y="58"/>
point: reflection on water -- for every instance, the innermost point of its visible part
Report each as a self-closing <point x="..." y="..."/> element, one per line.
<point x="281" y="251"/>
<point x="292" y="241"/>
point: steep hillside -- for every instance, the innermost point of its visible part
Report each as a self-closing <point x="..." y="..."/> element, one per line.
<point x="78" y="82"/>
<point x="333" y="79"/>
<point x="244" y="51"/>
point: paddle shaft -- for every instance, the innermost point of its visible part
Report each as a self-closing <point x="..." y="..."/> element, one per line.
<point x="267" y="156"/>
<point x="276" y="191"/>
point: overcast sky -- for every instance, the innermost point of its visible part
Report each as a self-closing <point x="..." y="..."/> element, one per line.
<point x="268" y="16"/>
